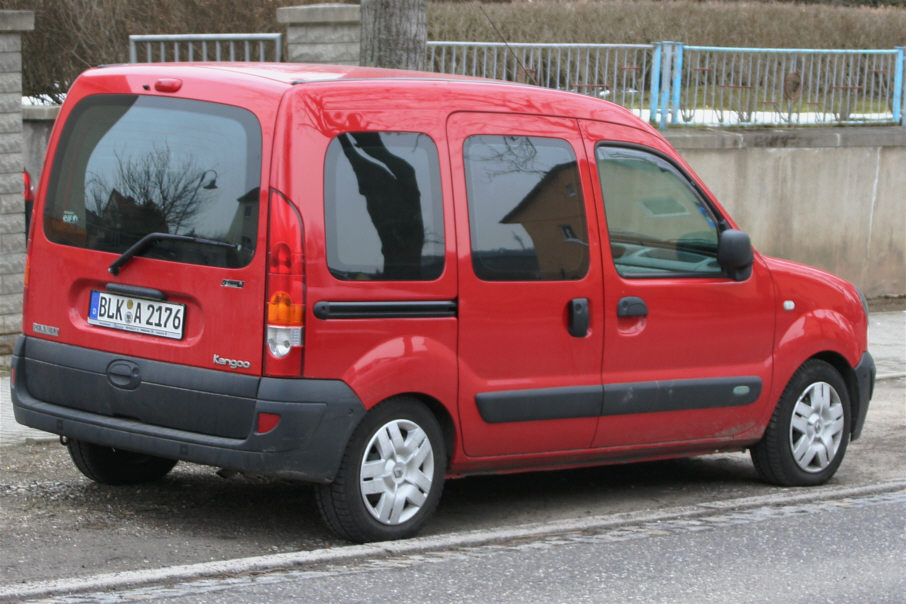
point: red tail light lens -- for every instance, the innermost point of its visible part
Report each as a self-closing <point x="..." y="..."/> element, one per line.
<point x="285" y="328"/>
<point x="29" y="191"/>
<point x="29" y="194"/>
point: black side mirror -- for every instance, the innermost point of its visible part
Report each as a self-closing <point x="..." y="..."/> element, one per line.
<point x="734" y="254"/>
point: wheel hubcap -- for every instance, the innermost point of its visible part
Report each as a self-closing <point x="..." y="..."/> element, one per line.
<point x="816" y="428"/>
<point x="397" y="472"/>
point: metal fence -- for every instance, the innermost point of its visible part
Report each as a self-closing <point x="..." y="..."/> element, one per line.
<point x="617" y="72"/>
<point x="667" y="83"/>
<point x="206" y="47"/>
<point x="672" y="84"/>
<point x="756" y="87"/>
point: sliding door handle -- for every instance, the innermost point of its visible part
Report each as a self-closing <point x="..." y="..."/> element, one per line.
<point x="631" y="306"/>
<point x="579" y="317"/>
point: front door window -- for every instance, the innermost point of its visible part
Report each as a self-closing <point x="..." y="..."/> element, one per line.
<point x="657" y="222"/>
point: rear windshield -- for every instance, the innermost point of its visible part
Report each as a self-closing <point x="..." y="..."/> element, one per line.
<point x="127" y="166"/>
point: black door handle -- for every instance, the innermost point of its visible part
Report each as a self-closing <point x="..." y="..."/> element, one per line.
<point x="631" y="306"/>
<point x="578" y="317"/>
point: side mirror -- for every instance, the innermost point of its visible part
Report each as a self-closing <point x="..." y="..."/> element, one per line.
<point x="734" y="254"/>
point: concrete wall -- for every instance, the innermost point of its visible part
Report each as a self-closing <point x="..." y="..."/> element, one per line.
<point x="834" y="198"/>
<point x="12" y="202"/>
<point x="37" y="123"/>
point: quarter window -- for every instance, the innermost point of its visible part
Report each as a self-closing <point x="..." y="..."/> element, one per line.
<point x="657" y="221"/>
<point x="526" y="211"/>
<point x="383" y="207"/>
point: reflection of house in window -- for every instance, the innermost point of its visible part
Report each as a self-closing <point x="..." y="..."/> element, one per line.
<point x="244" y="228"/>
<point x="553" y="214"/>
<point x="124" y="220"/>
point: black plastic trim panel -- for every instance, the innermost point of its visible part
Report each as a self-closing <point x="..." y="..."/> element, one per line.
<point x="535" y="405"/>
<point x="135" y="290"/>
<point x="680" y="395"/>
<point x="865" y="385"/>
<point x="617" y="399"/>
<point x="186" y="413"/>
<point x="385" y="310"/>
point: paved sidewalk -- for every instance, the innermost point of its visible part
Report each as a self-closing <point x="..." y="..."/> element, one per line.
<point x="886" y="341"/>
<point x="11" y="432"/>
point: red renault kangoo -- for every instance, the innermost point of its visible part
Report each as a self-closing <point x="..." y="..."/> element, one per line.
<point x="377" y="280"/>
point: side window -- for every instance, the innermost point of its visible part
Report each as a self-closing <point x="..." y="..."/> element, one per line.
<point x="526" y="211"/>
<point x="657" y="221"/>
<point x="383" y="207"/>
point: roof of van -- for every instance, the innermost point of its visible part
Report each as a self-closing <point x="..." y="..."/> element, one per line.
<point x="293" y="73"/>
<point x="279" y="76"/>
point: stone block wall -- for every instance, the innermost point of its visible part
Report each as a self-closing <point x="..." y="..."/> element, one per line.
<point x="322" y="33"/>
<point x="12" y="202"/>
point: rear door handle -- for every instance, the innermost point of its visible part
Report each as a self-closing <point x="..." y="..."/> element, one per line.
<point x="631" y="306"/>
<point x="579" y="317"/>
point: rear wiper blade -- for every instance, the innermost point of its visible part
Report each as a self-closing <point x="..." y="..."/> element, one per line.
<point x="145" y="242"/>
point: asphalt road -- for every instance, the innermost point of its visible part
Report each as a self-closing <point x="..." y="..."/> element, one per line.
<point x="841" y="550"/>
<point x="57" y="525"/>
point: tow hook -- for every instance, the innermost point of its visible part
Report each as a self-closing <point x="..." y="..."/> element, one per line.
<point x="64" y="440"/>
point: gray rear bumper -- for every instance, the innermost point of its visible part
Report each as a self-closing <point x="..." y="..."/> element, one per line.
<point x="199" y="415"/>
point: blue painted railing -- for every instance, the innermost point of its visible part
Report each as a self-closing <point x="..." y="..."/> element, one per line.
<point x="713" y="86"/>
<point x="673" y="84"/>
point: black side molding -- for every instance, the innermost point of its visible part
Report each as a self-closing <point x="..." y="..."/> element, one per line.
<point x="617" y="399"/>
<point x="541" y="404"/>
<point x="385" y="310"/>
<point x="680" y="395"/>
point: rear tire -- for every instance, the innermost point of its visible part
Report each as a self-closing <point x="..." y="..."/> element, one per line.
<point x="107" y="465"/>
<point x="807" y="436"/>
<point x="391" y="475"/>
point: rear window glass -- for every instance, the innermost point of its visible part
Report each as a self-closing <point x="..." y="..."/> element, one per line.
<point x="128" y="166"/>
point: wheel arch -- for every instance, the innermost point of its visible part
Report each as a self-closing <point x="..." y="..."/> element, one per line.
<point x="440" y="413"/>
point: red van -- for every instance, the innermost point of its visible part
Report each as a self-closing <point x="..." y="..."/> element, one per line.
<point x="375" y="280"/>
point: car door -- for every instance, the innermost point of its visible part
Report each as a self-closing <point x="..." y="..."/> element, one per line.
<point x="530" y="298"/>
<point x="687" y="348"/>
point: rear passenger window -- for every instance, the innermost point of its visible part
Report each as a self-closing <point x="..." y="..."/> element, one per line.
<point x="383" y="207"/>
<point x="657" y="221"/>
<point x="526" y="211"/>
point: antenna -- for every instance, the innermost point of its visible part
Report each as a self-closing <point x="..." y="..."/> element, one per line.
<point x="505" y="43"/>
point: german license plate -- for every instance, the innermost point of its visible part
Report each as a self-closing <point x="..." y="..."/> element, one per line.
<point x="164" y="319"/>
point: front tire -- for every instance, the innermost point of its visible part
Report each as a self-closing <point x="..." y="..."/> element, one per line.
<point x="807" y="436"/>
<point x="115" y="466"/>
<point x="391" y="476"/>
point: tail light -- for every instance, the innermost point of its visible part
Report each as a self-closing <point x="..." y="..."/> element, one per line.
<point x="285" y="325"/>
<point x="29" y="194"/>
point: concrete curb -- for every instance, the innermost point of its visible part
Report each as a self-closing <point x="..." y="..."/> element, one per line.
<point x="276" y="562"/>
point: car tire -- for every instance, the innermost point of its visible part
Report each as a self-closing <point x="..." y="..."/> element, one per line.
<point x="391" y="475"/>
<point x="115" y="466"/>
<point x="808" y="433"/>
